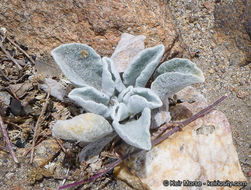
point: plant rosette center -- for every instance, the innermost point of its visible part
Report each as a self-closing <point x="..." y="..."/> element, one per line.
<point x="132" y="101"/>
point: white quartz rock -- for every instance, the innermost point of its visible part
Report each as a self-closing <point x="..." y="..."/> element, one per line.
<point x="202" y="151"/>
<point x="84" y="128"/>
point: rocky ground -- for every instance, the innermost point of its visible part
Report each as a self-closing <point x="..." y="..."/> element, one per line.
<point x="215" y="34"/>
<point x="221" y="45"/>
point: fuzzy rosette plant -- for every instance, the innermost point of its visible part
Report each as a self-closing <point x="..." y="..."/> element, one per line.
<point x="122" y="98"/>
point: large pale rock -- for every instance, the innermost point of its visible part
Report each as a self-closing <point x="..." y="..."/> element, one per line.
<point x="202" y="151"/>
<point x="86" y="128"/>
<point x="45" y="25"/>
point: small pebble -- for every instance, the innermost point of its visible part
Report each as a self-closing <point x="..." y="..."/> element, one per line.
<point x="9" y="175"/>
<point x="242" y="94"/>
<point x="208" y="5"/>
<point x="211" y="71"/>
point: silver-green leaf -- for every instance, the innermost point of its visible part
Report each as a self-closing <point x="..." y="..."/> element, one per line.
<point x="141" y="98"/>
<point x="80" y="64"/>
<point x="167" y="84"/>
<point x="120" y="112"/>
<point x="143" y="66"/>
<point x="136" y="132"/>
<point x="111" y="80"/>
<point x="180" y="65"/>
<point x="91" y="100"/>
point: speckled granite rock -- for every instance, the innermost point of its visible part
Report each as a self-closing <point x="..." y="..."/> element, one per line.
<point x="202" y="151"/>
<point x="43" y="26"/>
<point x="45" y="152"/>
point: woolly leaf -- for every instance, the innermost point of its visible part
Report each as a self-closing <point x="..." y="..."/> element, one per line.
<point x="120" y="112"/>
<point x="138" y="98"/>
<point x="126" y="50"/>
<point x="80" y="64"/>
<point x="141" y="98"/>
<point x="181" y="66"/>
<point x="136" y="132"/>
<point x="56" y="88"/>
<point x="127" y="91"/>
<point x="167" y="84"/>
<point x="91" y="100"/>
<point x="143" y="66"/>
<point x="110" y="78"/>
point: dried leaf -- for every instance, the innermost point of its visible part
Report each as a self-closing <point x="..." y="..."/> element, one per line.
<point x="57" y="90"/>
<point x="94" y="148"/>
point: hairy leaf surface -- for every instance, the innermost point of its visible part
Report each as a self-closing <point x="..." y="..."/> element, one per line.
<point x="136" y="132"/>
<point x="91" y="100"/>
<point x="80" y="64"/>
<point x="143" y="66"/>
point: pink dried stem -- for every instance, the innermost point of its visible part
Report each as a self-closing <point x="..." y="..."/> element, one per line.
<point x="7" y="140"/>
<point x="154" y="142"/>
<point x="187" y="121"/>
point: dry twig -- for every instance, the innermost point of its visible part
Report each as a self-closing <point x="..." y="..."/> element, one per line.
<point x="11" y="41"/>
<point x="38" y="123"/>
<point x="8" y="54"/>
<point x="59" y="141"/>
<point x="154" y="142"/>
<point x="189" y="120"/>
<point x="7" y="140"/>
<point x="4" y="76"/>
<point x="28" y="151"/>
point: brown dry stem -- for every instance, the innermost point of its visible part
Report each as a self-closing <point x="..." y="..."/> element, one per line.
<point x="18" y="47"/>
<point x="7" y="140"/>
<point x="7" y="53"/>
<point x="38" y="124"/>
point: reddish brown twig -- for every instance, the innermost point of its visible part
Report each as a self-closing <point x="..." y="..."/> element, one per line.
<point x="59" y="141"/>
<point x="11" y="41"/>
<point x="38" y="123"/>
<point x="93" y="178"/>
<point x="154" y="142"/>
<point x="8" y="54"/>
<point x="7" y="140"/>
<point x="189" y="120"/>
<point x="28" y="151"/>
<point x="163" y="128"/>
